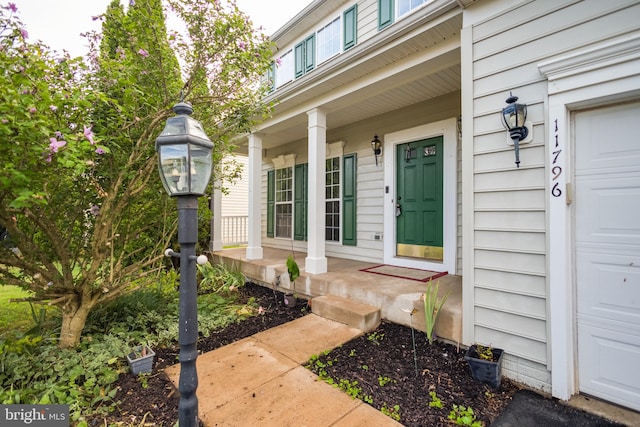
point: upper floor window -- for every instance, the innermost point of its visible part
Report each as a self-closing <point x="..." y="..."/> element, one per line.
<point x="284" y="69"/>
<point x="329" y="40"/>
<point x="338" y="35"/>
<point x="405" y="6"/>
<point x="388" y="10"/>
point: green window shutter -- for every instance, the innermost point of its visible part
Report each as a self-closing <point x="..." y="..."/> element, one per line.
<point x="350" y="26"/>
<point x="385" y="13"/>
<point x="310" y="53"/>
<point x="271" y="77"/>
<point x="300" y="202"/>
<point x="271" y="205"/>
<point x="299" y="59"/>
<point x="349" y="174"/>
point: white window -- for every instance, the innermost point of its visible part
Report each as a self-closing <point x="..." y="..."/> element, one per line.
<point x="332" y="200"/>
<point x="328" y="40"/>
<point x="405" y="6"/>
<point x="284" y="202"/>
<point x="284" y="69"/>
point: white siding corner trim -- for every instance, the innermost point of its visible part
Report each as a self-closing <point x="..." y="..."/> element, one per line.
<point x="600" y="73"/>
<point x="448" y="130"/>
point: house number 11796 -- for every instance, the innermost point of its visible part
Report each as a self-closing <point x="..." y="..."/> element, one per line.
<point x="556" y="170"/>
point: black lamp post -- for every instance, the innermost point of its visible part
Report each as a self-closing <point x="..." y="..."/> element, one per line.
<point x="514" y="117"/>
<point x="184" y="159"/>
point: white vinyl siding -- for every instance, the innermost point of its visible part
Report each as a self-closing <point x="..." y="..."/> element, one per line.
<point x="509" y="273"/>
<point x="236" y="201"/>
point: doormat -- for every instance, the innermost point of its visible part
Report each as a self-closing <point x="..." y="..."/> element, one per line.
<point x="404" y="272"/>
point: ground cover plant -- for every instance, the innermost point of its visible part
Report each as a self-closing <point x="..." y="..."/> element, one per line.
<point x="34" y="369"/>
<point x="380" y="369"/>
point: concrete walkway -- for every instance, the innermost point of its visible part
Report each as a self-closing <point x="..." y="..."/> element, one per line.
<point x="259" y="381"/>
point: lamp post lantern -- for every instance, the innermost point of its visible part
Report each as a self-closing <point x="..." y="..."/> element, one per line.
<point x="184" y="160"/>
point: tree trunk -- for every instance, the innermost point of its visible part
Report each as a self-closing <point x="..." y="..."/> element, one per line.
<point x="73" y="321"/>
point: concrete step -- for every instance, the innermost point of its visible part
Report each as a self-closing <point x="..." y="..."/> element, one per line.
<point x="355" y="314"/>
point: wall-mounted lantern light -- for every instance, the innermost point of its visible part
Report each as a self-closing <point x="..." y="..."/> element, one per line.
<point x="184" y="162"/>
<point x="376" y="146"/>
<point x="514" y="119"/>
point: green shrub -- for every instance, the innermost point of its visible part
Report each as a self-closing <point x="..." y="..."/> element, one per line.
<point x="218" y="278"/>
<point x="33" y="369"/>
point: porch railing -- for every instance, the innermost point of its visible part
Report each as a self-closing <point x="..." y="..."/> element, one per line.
<point x="235" y="230"/>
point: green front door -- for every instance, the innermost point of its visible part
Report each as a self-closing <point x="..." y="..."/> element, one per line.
<point x="420" y="199"/>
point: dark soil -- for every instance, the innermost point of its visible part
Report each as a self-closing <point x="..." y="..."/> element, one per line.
<point x="385" y="369"/>
<point x="151" y="399"/>
<point x="379" y="366"/>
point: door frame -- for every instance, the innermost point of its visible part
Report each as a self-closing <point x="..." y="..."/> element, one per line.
<point x="448" y="130"/>
<point x="600" y="74"/>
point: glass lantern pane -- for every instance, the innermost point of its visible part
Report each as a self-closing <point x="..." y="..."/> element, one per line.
<point x="173" y="168"/>
<point x="174" y="126"/>
<point x="195" y="129"/>
<point x="200" y="168"/>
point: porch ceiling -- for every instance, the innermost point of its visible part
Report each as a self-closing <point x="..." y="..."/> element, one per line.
<point x="392" y="70"/>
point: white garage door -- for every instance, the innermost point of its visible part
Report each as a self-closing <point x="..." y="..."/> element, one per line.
<point x="607" y="221"/>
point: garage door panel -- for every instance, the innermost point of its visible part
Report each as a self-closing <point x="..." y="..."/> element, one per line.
<point x="607" y="253"/>
<point x="606" y="140"/>
<point x="602" y="279"/>
<point x="609" y="202"/>
<point x="609" y="364"/>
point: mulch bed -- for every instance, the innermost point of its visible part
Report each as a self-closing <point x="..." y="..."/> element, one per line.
<point x="153" y="400"/>
<point x="385" y="356"/>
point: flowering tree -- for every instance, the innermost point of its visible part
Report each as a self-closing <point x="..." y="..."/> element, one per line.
<point x="85" y="214"/>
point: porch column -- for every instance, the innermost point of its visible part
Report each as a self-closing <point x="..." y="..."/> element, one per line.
<point x="316" y="261"/>
<point x="254" y="246"/>
<point x="215" y="244"/>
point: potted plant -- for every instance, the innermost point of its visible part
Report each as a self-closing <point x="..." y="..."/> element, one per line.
<point x="485" y="363"/>
<point x="141" y="359"/>
<point x="294" y="272"/>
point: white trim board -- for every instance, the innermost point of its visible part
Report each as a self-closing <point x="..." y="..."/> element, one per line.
<point x="602" y="73"/>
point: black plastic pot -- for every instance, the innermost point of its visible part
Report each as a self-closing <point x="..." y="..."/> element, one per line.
<point x="290" y="300"/>
<point x="486" y="371"/>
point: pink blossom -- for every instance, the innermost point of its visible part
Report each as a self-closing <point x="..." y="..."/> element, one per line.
<point x="24" y="33"/>
<point x="55" y="144"/>
<point x="88" y="134"/>
<point x="32" y="110"/>
<point x="242" y="45"/>
<point x="53" y="108"/>
<point x="279" y="61"/>
<point x="94" y="210"/>
<point x="12" y="7"/>
<point x="100" y="150"/>
<point x="143" y="53"/>
<point x="261" y="310"/>
<point x="5" y="121"/>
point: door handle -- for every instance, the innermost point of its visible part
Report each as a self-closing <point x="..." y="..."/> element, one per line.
<point x="398" y="209"/>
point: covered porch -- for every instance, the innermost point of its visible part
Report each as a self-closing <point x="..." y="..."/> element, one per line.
<point x="395" y="297"/>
